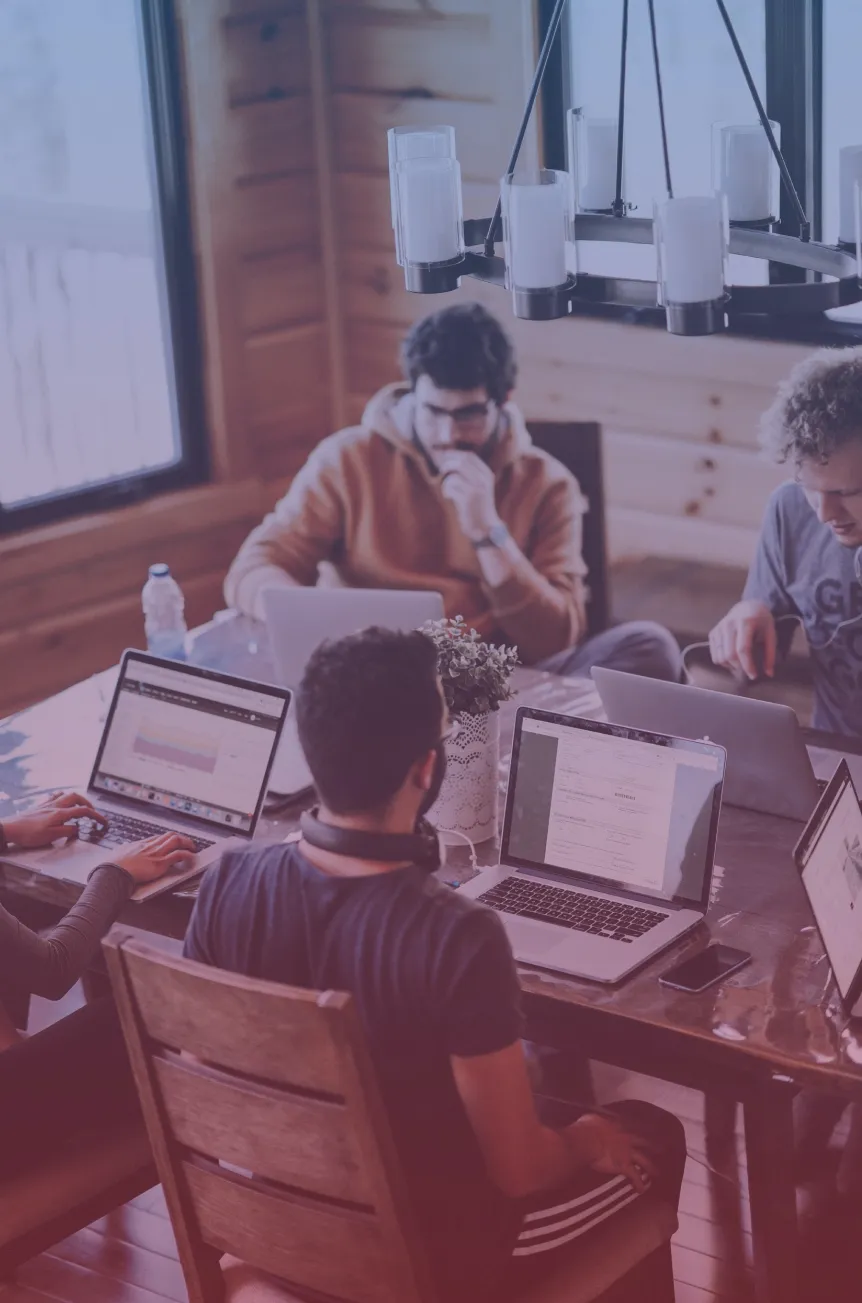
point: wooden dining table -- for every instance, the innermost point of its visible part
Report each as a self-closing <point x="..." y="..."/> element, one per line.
<point x="756" y="1039"/>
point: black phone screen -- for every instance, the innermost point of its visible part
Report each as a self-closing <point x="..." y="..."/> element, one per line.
<point x="709" y="966"/>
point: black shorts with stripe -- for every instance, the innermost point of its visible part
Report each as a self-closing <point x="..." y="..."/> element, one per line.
<point x="556" y="1224"/>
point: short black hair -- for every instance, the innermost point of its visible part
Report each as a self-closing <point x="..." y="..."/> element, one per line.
<point x="368" y="708"/>
<point x="462" y="347"/>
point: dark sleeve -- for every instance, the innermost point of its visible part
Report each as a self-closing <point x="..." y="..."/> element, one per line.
<point x="767" y="579"/>
<point x="207" y="939"/>
<point x="197" y="944"/>
<point x="50" y="965"/>
<point x="480" y="1009"/>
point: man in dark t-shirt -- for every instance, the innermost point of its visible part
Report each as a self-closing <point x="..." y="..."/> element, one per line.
<point x="495" y="1192"/>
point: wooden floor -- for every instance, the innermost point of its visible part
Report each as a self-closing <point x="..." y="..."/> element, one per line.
<point x="131" y="1257"/>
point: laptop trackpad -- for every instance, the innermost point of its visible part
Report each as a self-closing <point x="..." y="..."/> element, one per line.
<point x="534" y="941"/>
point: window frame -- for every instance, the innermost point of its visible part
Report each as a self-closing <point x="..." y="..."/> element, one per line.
<point x="794" y="97"/>
<point x="162" y="66"/>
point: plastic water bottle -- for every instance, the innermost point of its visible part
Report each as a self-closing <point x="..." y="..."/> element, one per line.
<point x="164" y="621"/>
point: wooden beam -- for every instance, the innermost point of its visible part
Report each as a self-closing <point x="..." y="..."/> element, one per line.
<point x="329" y="234"/>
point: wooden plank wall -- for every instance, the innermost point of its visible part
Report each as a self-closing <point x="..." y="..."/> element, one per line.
<point x="683" y="474"/>
<point x="70" y="593"/>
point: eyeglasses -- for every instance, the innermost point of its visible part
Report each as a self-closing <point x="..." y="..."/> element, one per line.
<point x="471" y="414"/>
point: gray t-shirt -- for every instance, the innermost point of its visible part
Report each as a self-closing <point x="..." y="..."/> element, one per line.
<point x="801" y="569"/>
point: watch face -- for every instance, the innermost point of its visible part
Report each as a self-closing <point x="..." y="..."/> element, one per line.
<point x="498" y="535"/>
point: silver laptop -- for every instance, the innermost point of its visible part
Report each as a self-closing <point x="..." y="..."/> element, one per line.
<point x="608" y="844"/>
<point x="183" y="750"/>
<point x="768" y="766"/>
<point x="829" y="858"/>
<point x="299" y="619"/>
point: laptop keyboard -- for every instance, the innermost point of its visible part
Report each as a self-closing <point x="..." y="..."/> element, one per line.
<point x="595" y="914"/>
<point x="123" y="829"/>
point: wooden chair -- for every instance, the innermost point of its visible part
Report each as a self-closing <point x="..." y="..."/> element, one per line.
<point x="578" y="445"/>
<point x="273" y="1148"/>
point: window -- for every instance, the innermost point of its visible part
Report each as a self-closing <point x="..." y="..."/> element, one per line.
<point x="802" y="57"/>
<point x="93" y="232"/>
<point x="842" y="110"/>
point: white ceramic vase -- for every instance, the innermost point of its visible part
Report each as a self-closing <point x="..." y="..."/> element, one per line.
<point x="467" y="803"/>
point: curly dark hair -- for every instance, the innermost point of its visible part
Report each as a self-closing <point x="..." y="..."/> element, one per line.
<point x="368" y="707"/>
<point x="462" y="347"/>
<point x="817" y="409"/>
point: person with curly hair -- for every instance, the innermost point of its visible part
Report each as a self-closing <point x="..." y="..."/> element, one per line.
<point x="808" y="564"/>
<point x="441" y="488"/>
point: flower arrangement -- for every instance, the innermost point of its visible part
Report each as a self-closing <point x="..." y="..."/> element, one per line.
<point x="476" y="675"/>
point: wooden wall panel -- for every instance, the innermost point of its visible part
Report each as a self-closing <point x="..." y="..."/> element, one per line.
<point x="397" y="53"/>
<point x="271" y="138"/>
<point x="266" y="58"/>
<point x="278" y="290"/>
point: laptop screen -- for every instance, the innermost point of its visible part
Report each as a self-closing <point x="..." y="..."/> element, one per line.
<point x="189" y="740"/>
<point x="613" y="805"/>
<point x="829" y="856"/>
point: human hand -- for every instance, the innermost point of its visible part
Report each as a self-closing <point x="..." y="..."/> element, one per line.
<point x="606" y="1146"/>
<point x="468" y="483"/>
<point x="147" y="860"/>
<point x="733" y="642"/>
<point x="51" y="821"/>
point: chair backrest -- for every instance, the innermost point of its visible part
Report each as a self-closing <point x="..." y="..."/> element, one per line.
<point x="267" y="1129"/>
<point x="578" y="445"/>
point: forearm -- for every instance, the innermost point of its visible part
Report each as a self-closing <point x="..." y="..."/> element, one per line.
<point x="539" y="618"/>
<point x="50" y="965"/>
<point x="248" y="577"/>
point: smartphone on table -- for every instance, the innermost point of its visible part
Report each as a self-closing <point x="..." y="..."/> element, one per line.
<point x="705" y="968"/>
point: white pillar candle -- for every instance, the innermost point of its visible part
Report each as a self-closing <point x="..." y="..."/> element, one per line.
<point x="745" y="170"/>
<point x="536" y="215"/>
<point x="429" y="220"/>
<point x="691" y="245"/>
<point x="849" y="176"/>
<point x="593" y="160"/>
<point x="416" y="142"/>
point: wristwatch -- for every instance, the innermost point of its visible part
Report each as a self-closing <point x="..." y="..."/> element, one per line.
<point x="496" y="537"/>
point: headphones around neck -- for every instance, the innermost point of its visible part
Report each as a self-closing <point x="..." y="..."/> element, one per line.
<point x="421" y="847"/>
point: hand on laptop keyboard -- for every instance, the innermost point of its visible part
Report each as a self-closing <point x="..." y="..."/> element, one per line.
<point x="150" y="859"/>
<point x="123" y="829"/>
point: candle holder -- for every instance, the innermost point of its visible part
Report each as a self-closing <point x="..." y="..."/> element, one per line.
<point x="537" y="227"/>
<point x="429" y="223"/>
<point x="592" y="160"/>
<point x="744" y="170"/>
<point x="849" y="178"/>
<point x="691" y="241"/>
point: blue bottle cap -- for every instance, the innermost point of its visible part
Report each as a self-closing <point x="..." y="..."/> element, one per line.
<point x="160" y="570"/>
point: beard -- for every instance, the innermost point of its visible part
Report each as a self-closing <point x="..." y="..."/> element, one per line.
<point x="436" y="782"/>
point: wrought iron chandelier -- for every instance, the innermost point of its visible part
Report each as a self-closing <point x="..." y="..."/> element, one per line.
<point x="544" y="215"/>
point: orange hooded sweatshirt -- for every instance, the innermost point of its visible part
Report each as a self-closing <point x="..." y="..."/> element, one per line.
<point x="368" y="502"/>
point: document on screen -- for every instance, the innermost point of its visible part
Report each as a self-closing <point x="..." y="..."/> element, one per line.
<point x="611" y="809"/>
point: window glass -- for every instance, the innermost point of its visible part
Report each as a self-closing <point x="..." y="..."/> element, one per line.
<point x="86" y="372"/>
<point x="842" y="110"/>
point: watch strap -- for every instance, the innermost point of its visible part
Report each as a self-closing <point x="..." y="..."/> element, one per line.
<point x="497" y="536"/>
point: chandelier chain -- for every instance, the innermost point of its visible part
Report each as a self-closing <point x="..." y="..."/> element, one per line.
<point x="544" y="56"/>
<point x="619" y="206"/>
<point x="660" y="93"/>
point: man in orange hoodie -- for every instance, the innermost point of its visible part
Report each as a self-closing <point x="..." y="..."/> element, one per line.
<point x="441" y="488"/>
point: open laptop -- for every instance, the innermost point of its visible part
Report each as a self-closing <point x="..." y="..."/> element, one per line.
<point x="768" y="766"/>
<point x="183" y="750"/>
<point x="299" y="619"/>
<point x="608" y="844"/>
<point x="829" y="858"/>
